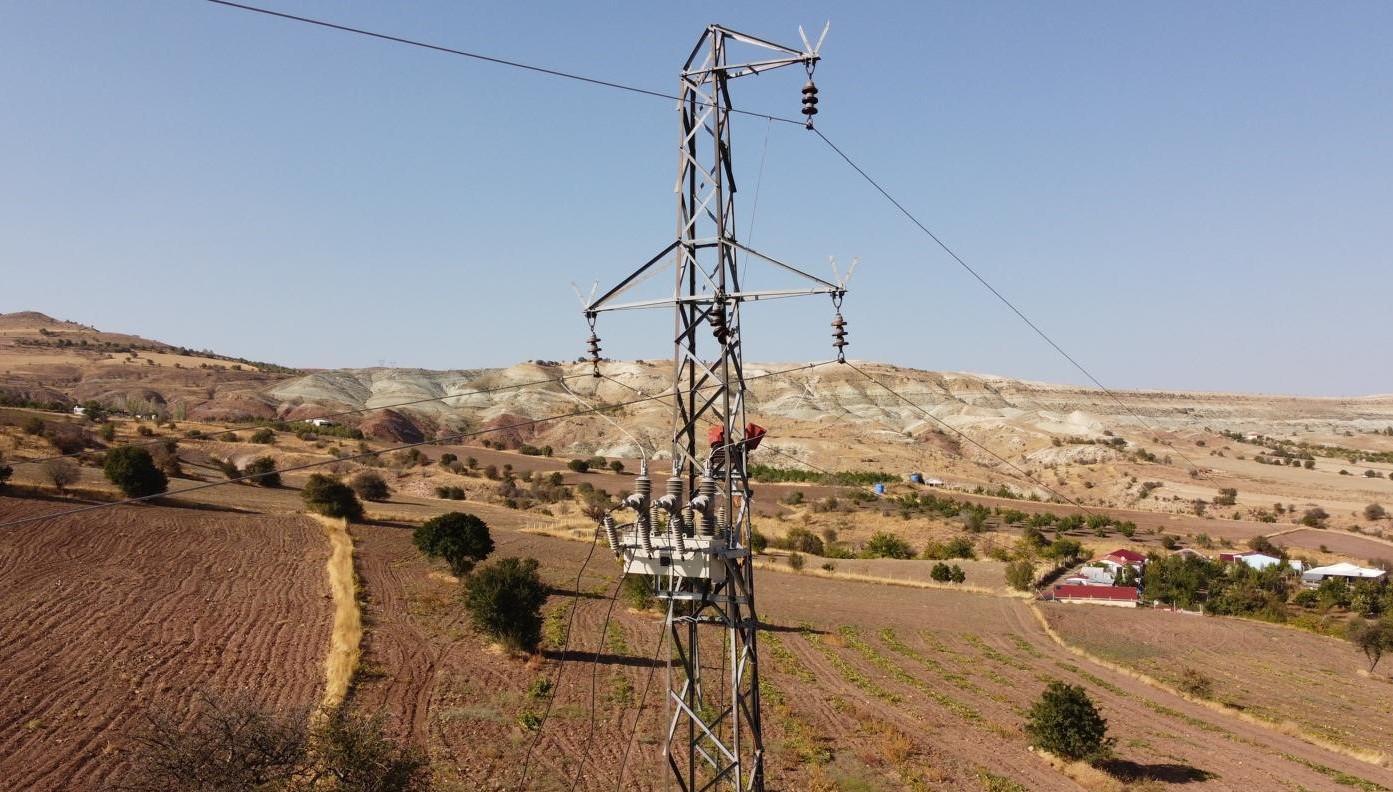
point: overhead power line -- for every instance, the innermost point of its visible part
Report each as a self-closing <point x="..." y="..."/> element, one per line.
<point x="402" y="447"/>
<point x="842" y="154"/>
<point x="989" y="287"/>
<point x="481" y="57"/>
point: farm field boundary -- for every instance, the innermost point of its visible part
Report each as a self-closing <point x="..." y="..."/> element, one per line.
<point x="1286" y="727"/>
<point x="345" y="642"/>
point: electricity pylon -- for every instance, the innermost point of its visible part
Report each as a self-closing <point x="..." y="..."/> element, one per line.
<point x="693" y="539"/>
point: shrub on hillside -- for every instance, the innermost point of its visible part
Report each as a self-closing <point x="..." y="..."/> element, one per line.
<point x="1374" y="512"/>
<point x="370" y="486"/>
<point x="448" y="459"/>
<point x="461" y="539"/>
<point x="134" y="472"/>
<point x="886" y="545"/>
<point x="5" y="472"/>
<point x="504" y="599"/>
<point x="1066" y="723"/>
<point x="263" y="436"/>
<point x="800" y="539"/>
<point x="263" y="472"/>
<point x="450" y="492"/>
<point x="330" y="497"/>
<point x="579" y="465"/>
<point x="1020" y="574"/>
<point x="33" y="425"/>
<point x="796" y="562"/>
<point x="61" y="472"/>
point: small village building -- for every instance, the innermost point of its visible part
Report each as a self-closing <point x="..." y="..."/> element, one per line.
<point x="1124" y="557"/>
<point x="1257" y="560"/>
<point x="1114" y="596"/>
<point x="321" y="422"/>
<point x="1098" y="573"/>
<point x="1351" y="573"/>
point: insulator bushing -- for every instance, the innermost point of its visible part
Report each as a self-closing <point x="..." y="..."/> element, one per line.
<point x="810" y="102"/>
<point x="719" y="329"/>
<point x="611" y="533"/>
<point x="645" y="533"/>
<point x="643" y="485"/>
<point x="679" y="536"/>
<point x="707" y="487"/>
<point x="722" y="526"/>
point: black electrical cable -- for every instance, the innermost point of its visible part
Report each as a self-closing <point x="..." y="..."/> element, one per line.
<point x="561" y="663"/>
<point x="638" y="716"/>
<point x="366" y="454"/>
<point x="969" y="439"/>
<point x="1004" y="301"/>
<point x="594" y="676"/>
<point x="486" y="58"/>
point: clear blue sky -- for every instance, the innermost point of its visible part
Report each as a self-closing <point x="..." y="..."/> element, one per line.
<point x="1186" y="195"/>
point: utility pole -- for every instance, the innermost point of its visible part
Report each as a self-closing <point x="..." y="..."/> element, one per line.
<point x="693" y="538"/>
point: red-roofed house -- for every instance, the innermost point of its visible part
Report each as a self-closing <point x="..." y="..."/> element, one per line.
<point x="1116" y="596"/>
<point x="1126" y="557"/>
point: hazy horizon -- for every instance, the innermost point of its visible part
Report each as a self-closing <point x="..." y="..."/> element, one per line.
<point x="1189" y="197"/>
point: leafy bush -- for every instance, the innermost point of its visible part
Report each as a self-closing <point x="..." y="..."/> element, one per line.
<point x="461" y="539"/>
<point x="504" y="599"/>
<point x="1374" y="512"/>
<point x="370" y="486"/>
<point x="5" y="471"/>
<point x="1066" y="723"/>
<point x="637" y="590"/>
<point x="616" y="466"/>
<point x="886" y="545"/>
<point x="796" y="562"/>
<point x="264" y="471"/>
<point x="579" y="465"/>
<point x="1314" y="517"/>
<point x="133" y="470"/>
<point x="1020" y="574"/>
<point x="758" y="542"/>
<point x="450" y="492"/>
<point x="33" y="425"/>
<point x="800" y="539"/>
<point x="330" y="497"/>
<point x="263" y="436"/>
<point x="448" y="459"/>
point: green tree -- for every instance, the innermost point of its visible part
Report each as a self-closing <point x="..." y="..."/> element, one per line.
<point x="940" y="572"/>
<point x="504" y="599"/>
<point x="886" y="545"/>
<point x="133" y="470"/>
<point x="579" y="465"/>
<point x="802" y="540"/>
<point x="370" y="486"/>
<point x="330" y="497"/>
<point x="263" y="469"/>
<point x="1374" y="638"/>
<point x="263" y="436"/>
<point x="1066" y="723"/>
<point x="616" y="466"/>
<point x="461" y="539"/>
<point x="1020" y="574"/>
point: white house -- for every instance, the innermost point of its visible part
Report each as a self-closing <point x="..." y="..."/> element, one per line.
<point x="1344" y="569"/>
<point x="1098" y="573"/>
<point x="321" y="422"/>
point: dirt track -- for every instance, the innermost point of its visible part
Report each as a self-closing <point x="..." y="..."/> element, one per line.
<point x="108" y="616"/>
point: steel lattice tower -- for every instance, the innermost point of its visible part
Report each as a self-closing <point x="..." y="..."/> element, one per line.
<point x="693" y="538"/>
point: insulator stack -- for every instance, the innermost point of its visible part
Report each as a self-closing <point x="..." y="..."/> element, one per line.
<point x="707" y="487"/>
<point x="722" y="526"/>
<point x="611" y="533"/>
<point x="719" y="328"/>
<point x="643" y="485"/>
<point x="594" y="346"/>
<point x="839" y="341"/>
<point x="809" y="102"/>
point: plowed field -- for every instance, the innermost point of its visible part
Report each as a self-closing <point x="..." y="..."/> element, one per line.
<point x="867" y="687"/>
<point x="110" y="615"/>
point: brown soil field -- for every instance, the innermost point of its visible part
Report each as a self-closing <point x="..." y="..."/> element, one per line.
<point x="1338" y="543"/>
<point x="106" y="617"/>
<point x="867" y="686"/>
<point x="1272" y="672"/>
